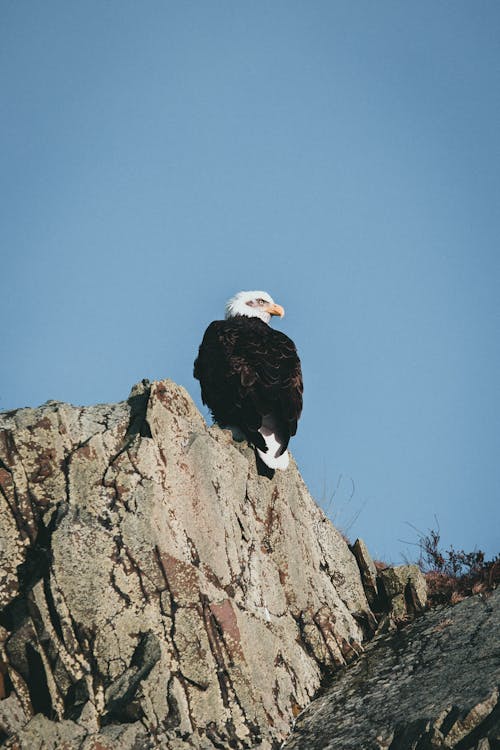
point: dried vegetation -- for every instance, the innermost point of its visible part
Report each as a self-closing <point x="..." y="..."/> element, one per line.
<point x="454" y="574"/>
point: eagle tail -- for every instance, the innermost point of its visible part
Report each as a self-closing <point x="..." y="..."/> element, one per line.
<point x="276" y="456"/>
<point x="280" y="462"/>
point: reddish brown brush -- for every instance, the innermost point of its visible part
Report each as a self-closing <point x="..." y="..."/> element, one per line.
<point x="454" y="574"/>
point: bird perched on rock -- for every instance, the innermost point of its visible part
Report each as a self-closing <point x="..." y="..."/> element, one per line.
<point x="250" y="376"/>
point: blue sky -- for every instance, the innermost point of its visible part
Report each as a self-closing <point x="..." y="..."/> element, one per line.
<point x="158" y="157"/>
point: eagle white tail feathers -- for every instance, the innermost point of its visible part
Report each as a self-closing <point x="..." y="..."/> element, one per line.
<point x="281" y="462"/>
<point x="273" y="457"/>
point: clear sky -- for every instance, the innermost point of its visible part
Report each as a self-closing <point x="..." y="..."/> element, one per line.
<point x="158" y="157"/>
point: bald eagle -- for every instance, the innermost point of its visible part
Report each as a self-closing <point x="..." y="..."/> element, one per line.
<point x="250" y="376"/>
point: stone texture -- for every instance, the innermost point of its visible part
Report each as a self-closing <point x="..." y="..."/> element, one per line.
<point x="433" y="684"/>
<point x="368" y="572"/>
<point x="404" y="590"/>
<point x="155" y="590"/>
<point x="396" y="594"/>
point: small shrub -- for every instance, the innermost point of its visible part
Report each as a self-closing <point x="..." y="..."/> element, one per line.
<point x="454" y="574"/>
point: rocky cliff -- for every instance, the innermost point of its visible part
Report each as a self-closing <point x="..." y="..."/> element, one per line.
<point x="155" y="590"/>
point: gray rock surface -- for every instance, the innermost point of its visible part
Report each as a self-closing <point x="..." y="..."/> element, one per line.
<point x="155" y="590"/>
<point x="434" y="684"/>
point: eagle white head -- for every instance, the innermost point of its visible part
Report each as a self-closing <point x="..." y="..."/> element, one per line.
<point x="253" y="305"/>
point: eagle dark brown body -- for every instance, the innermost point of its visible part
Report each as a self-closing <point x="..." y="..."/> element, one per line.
<point x="250" y="376"/>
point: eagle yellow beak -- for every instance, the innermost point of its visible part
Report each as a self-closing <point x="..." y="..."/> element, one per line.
<point x="275" y="310"/>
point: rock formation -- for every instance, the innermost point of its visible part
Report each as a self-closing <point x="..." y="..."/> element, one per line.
<point x="396" y="595"/>
<point x="432" y="685"/>
<point x="155" y="590"/>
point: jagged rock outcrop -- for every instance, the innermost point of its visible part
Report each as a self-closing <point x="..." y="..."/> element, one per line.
<point x="434" y="684"/>
<point x="396" y="595"/>
<point x="155" y="590"/>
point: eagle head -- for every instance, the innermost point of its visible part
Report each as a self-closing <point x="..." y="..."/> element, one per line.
<point x="253" y="305"/>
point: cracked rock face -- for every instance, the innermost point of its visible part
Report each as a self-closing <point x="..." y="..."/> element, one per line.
<point x="434" y="684"/>
<point x="155" y="591"/>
